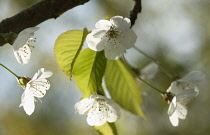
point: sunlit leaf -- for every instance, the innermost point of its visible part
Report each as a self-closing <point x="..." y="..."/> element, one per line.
<point x="67" y="48"/>
<point x="107" y="129"/>
<point x="88" y="71"/>
<point x="123" y="87"/>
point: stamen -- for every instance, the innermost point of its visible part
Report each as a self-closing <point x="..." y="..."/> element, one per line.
<point x="113" y="34"/>
<point x="36" y="100"/>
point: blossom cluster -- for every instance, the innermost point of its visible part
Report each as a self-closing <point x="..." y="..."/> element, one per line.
<point x="114" y="36"/>
<point x="36" y="87"/>
<point x="182" y="92"/>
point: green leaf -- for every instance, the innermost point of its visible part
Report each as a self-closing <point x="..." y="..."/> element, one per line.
<point x="107" y="129"/>
<point x="123" y="87"/>
<point x="67" y="48"/>
<point x="89" y="70"/>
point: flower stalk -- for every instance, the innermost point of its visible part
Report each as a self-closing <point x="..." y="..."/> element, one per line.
<point x="9" y="71"/>
<point x="129" y="67"/>
<point x="154" y="60"/>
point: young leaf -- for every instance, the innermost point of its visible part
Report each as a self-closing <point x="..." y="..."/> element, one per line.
<point x="67" y="48"/>
<point x="89" y="70"/>
<point x="123" y="87"/>
<point x="107" y="129"/>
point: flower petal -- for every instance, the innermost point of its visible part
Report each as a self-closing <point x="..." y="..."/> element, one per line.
<point x="127" y="38"/>
<point x="43" y="74"/>
<point x="23" y="37"/>
<point x="103" y="24"/>
<point x="96" y="44"/>
<point x="96" y="116"/>
<point x="36" y="91"/>
<point x="114" y="50"/>
<point x="112" y="114"/>
<point x="84" y="105"/>
<point x="38" y="87"/>
<point x="110" y="109"/>
<point x="149" y="71"/>
<point x="174" y="119"/>
<point x="187" y="96"/>
<point x="23" y="54"/>
<point x="98" y="33"/>
<point x="175" y="88"/>
<point x="194" y="76"/>
<point x="181" y="111"/>
<point x="120" y="22"/>
<point x="27" y="101"/>
<point x="172" y="106"/>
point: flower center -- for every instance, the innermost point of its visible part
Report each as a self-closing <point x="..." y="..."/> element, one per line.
<point x="112" y="33"/>
<point x="168" y="96"/>
<point x="101" y="103"/>
<point x="31" y="40"/>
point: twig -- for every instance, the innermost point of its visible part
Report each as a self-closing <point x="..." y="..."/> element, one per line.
<point x="134" y="12"/>
<point x="36" y="14"/>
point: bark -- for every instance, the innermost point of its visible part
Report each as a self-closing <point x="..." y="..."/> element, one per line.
<point x="35" y="15"/>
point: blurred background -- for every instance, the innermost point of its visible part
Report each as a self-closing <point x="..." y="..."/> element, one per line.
<point x="175" y="32"/>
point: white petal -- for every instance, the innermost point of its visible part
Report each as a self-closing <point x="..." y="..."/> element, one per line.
<point x="175" y="88"/>
<point x="110" y="109"/>
<point x="112" y="114"/>
<point x="150" y="70"/>
<point x="120" y="22"/>
<point x="114" y="50"/>
<point x="23" y="37"/>
<point x="37" y="92"/>
<point x="172" y="106"/>
<point x="174" y="119"/>
<point x="84" y="105"/>
<point x="127" y="38"/>
<point x="27" y="101"/>
<point x="103" y="24"/>
<point x="38" y="87"/>
<point x="96" y="116"/>
<point x="23" y="54"/>
<point x="98" y="33"/>
<point x="187" y="96"/>
<point x="42" y="73"/>
<point x="114" y="107"/>
<point x="194" y="76"/>
<point x="96" y="44"/>
<point x="181" y="111"/>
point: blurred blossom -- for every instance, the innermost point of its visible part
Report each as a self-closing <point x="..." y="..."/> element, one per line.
<point x="183" y="92"/>
<point x="149" y="71"/>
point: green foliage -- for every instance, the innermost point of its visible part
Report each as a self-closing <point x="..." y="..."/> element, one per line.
<point x="107" y="129"/>
<point x="89" y="70"/>
<point x="67" y="48"/>
<point x="123" y="87"/>
<point x="25" y="3"/>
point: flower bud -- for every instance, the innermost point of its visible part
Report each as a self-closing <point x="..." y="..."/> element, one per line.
<point x="23" y="81"/>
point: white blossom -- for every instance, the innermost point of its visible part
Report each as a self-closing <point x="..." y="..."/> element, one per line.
<point x="21" y="45"/>
<point x="35" y="88"/>
<point x="114" y="37"/>
<point x="184" y="91"/>
<point x="100" y="109"/>
<point x="149" y="71"/>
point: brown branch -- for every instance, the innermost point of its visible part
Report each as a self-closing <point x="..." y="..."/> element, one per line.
<point x="134" y="12"/>
<point x="35" y="15"/>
